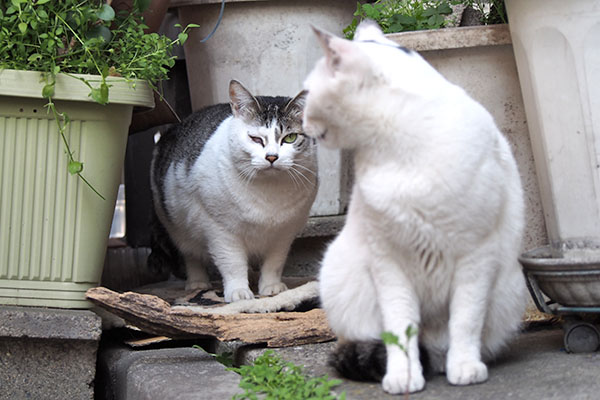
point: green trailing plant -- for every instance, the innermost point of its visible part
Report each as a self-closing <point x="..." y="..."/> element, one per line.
<point x="271" y="378"/>
<point x="82" y="37"/>
<point x="401" y="15"/>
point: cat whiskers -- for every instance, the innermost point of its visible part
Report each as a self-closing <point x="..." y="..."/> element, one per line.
<point x="247" y="174"/>
<point x="305" y="168"/>
<point x="298" y="176"/>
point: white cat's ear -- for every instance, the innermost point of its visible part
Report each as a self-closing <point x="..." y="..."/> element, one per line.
<point x="334" y="48"/>
<point x="295" y="107"/>
<point x="368" y="30"/>
<point x="243" y="104"/>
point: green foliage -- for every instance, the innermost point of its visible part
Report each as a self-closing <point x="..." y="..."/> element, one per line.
<point x="401" y="15"/>
<point x="82" y="37"/>
<point x="492" y="11"/>
<point x="271" y="378"/>
<point x="412" y="15"/>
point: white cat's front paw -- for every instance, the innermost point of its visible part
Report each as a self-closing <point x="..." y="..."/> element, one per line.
<point x="271" y="289"/>
<point x="466" y="372"/>
<point x="400" y="382"/>
<point x="197" y="285"/>
<point x="238" y="294"/>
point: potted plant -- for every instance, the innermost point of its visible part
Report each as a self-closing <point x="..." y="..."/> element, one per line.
<point x="71" y="73"/>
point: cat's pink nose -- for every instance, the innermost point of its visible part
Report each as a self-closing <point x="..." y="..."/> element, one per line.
<point x="271" y="158"/>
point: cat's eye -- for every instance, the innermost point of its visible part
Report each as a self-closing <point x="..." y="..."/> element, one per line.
<point x="258" y="140"/>
<point x="291" y="138"/>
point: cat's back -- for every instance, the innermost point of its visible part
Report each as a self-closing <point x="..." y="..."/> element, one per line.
<point x="184" y="141"/>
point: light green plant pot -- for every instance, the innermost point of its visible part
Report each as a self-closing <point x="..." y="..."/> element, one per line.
<point x="54" y="228"/>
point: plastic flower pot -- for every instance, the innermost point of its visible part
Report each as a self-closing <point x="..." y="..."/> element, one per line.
<point x="53" y="227"/>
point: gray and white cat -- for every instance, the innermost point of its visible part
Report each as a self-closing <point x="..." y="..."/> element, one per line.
<point x="233" y="184"/>
<point x="434" y="226"/>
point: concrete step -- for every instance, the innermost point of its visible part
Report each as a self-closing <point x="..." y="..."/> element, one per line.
<point x="535" y="366"/>
<point x="183" y="373"/>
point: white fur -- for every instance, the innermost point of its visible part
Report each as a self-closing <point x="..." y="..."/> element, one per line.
<point x="233" y="205"/>
<point x="436" y="215"/>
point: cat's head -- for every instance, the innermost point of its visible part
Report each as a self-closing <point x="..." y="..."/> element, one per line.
<point x="356" y="84"/>
<point x="268" y="133"/>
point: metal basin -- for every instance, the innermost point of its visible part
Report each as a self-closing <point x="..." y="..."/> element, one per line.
<point x="569" y="274"/>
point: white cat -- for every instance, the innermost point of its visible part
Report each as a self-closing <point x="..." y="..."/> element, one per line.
<point x="231" y="184"/>
<point x="435" y="221"/>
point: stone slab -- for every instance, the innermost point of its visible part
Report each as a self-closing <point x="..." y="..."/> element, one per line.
<point x="175" y="373"/>
<point x="49" y="323"/>
<point x="47" y="353"/>
<point x="535" y="366"/>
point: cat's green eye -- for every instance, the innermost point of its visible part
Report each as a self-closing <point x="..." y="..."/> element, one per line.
<point x="291" y="138"/>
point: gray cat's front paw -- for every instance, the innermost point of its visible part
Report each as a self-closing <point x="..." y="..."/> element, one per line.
<point x="271" y="289"/>
<point x="238" y="294"/>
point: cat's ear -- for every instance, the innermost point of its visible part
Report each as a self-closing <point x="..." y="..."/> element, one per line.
<point x="368" y="30"/>
<point x="334" y="47"/>
<point x="295" y="107"/>
<point x="243" y="104"/>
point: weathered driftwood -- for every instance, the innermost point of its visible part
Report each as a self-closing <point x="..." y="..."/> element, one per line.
<point x="154" y="315"/>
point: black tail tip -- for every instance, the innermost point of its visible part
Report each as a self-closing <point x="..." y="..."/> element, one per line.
<point x="360" y="361"/>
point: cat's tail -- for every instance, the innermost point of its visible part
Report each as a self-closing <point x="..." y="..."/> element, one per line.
<point x="366" y="361"/>
<point x="360" y="361"/>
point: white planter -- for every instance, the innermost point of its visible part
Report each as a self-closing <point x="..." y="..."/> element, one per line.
<point x="269" y="46"/>
<point x="557" y="50"/>
<point x="480" y="60"/>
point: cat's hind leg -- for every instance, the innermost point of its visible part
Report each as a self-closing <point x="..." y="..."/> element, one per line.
<point x="197" y="277"/>
<point x="347" y="293"/>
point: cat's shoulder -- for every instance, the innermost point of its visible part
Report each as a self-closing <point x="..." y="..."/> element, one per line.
<point x="205" y="119"/>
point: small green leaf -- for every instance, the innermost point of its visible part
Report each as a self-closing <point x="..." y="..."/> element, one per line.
<point x="444" y="8"/>
<point x="389" y="338"/>
<point x="188" y="26"/>
<point x="182" y="37"/>
<point x="411" y="331"/>
<point x="100" y="95"/>
<point x="42" y="2"/>
<point x="104" y="93"/>
<point x="48" y="90"/>
<point x="106" y="13"/>
<point x="23" y="27"/>
<point x="99" y="31"/>
<point x="34" y="57"/>
<point x="75" y="167"/>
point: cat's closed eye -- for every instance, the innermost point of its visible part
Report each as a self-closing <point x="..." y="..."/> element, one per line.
<point x="257" y="139"/>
